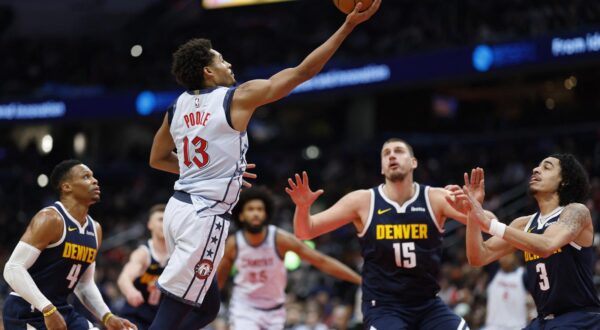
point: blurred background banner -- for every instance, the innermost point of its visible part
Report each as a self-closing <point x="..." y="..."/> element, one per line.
<point x="214" y="4"/>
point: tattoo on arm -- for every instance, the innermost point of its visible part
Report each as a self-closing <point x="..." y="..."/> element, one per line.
<point x="573" y="217"/>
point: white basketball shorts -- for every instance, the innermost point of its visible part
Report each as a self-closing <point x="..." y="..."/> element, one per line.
<point x="196" y="244"/>
<point x="244" y="317"/>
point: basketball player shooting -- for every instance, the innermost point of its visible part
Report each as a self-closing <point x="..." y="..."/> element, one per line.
<point x="207" y="126"/>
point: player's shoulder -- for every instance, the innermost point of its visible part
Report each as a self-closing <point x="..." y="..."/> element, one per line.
<point x="577" y="207"/>
<point x="521" y="222"/>
<point x="47" y="217"/>
<point x="359" y="194"/>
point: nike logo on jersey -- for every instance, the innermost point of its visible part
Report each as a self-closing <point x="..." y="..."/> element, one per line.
<point x="72" y="228"/>
<point x="380" y="211"/>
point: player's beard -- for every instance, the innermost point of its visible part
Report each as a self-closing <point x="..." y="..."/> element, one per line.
<point x="396" y="176"/>
<point x="254" y="229"/>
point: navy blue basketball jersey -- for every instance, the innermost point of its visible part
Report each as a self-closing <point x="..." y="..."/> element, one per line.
<point x="59" y="266"/>
<point x="401" y="247"/>
<point x="562" y="282"/>
<point x="146" y="283"/>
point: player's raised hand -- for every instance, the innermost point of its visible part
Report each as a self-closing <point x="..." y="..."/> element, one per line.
<point x="476" y="209"/>
<point x="55" y="321"/>
<point x="458" y="199"/>
<point x="356" y="16"/>
<point x="300" y="192"/>
<point x="118" y="323"/>
<point x="246" y="184"/>
<point x="476" y="183"/>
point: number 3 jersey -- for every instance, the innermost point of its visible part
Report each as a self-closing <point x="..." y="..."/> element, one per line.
<point x="60" y="265"/>
<point x="211" y="153"/>
<point x="261" y="275"/>
<point x="562" y="282"/>
<point x="401" y="247"/>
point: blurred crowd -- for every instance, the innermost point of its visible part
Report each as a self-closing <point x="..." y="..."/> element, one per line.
<point x="315" y="301"/>
<point x="255" y="37"/>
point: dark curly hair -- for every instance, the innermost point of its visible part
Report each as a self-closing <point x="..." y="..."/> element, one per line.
<point x="189" y="61"/>
<point x="60" y="173"/>
<point x="574" y="186"/>
<point x="250" y="195"/>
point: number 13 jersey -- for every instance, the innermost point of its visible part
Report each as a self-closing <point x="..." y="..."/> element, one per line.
<point x="211" y="154"/>
<point x="401" y="247"/>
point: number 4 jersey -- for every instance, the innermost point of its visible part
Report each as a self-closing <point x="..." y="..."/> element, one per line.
<point x="211" y="153"/>
<point x="562" y="282"/>
<point x="401" y="247"/>
<point x="60" y="265"/>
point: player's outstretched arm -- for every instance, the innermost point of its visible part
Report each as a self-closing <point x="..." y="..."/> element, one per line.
<point x="288" y="242"/>
<point x="139" y="261"/>
<point x="45" y="228"/>
<point x="573" y="220"/>
<point x="480" y="252"/>
<point x="346" y="210"/>
<point x="255" y="93"/>
<point x="226" y="262"/>
<point x="162" y="156"/>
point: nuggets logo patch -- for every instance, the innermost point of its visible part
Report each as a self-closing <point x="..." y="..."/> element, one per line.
<point x="203" y="269"/>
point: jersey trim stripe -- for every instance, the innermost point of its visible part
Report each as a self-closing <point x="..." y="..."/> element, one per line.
<point x="371" y="208"/>
<point x="64" y="234"/>
<point x="202" y="255"/>
<point x="216" y="253"/>
<point x="529" y="222"/>
<point x="575" y="245"/>
<point x="275" y="241"/>
<point x="227" y="105"/>
<point x="400" y="208"/>
<point x="171" y="112"/>
<point x="66" y="215"/>
<point x="431" y="213"/>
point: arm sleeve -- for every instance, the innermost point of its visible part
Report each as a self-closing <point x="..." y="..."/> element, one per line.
<point x="88" y="293"/>
<point x="19" y="279"/>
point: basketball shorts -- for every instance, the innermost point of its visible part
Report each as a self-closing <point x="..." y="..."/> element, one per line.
<point x="576" y="320"/>
<point x="431" y="314"/>
<point x="196" y="244"/>
<point x="243" y="317"/>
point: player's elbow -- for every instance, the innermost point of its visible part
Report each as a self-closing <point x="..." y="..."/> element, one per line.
<point x="155" y="161"/>
<point x="475" y="260"/>
<point x="544" y="252"/>
<point x="304" y="73"/>
<point x="8" y="271"/>
<point x="302" y="235"/>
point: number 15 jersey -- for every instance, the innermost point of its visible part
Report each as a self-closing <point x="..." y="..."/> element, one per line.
<point x="401" y="247"/>
<point x="211" y="153"/>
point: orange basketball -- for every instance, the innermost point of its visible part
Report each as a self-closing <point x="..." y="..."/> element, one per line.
<point x="346" y="6"/>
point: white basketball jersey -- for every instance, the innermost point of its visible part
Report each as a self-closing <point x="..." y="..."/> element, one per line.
<point x="211" y="153"/>
<point x="261" y="275"/>
<point x="507" y="301"/>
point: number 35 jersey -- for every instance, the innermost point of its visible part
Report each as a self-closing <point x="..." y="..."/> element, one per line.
<point x="261" y="275"/>
<point x="210" y="152"/>
<point x="58" y="268"/>
<point x="401" y="247"/>
<point x="564" y="281"/>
